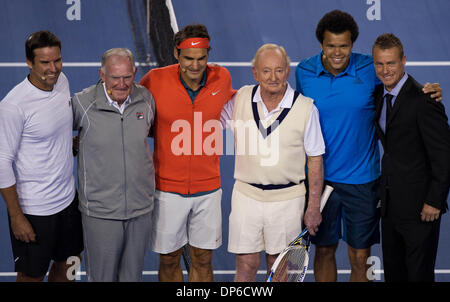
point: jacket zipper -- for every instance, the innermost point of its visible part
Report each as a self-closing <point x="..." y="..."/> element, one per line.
<point x="124" y="167"/>
<point x="192" y="148"/>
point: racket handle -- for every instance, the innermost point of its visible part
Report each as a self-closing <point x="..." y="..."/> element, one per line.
<point x="326" y="193"/>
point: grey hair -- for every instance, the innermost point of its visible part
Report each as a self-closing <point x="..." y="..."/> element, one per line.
<point x="123" y="52"/>
<point x="271" y="46"/>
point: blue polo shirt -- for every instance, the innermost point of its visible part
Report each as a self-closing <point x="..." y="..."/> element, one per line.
<point x="347" y="109"/>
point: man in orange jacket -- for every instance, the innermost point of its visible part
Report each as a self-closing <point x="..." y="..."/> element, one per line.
<point x="189" y="97"/>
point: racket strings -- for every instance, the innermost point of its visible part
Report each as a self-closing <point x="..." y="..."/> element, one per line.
<point x="290" y="268"/>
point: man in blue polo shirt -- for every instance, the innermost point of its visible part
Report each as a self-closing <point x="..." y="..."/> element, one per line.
<point x="341" y="83"/>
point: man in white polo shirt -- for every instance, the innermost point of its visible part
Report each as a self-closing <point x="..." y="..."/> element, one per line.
<point x="36" y="166"/>
<point x="277" y="132"/>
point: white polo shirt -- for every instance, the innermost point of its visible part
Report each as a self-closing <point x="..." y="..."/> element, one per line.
<point x="36" y="146"/>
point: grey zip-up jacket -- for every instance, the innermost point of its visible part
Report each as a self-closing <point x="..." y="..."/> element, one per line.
<point x="116" y="178"/>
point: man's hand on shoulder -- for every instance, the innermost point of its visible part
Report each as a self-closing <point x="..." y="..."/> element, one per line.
<point x="435" y="90"/>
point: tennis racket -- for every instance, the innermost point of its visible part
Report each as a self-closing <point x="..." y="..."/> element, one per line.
<point x="292" y="263"/>
<point x="186" y="257"/>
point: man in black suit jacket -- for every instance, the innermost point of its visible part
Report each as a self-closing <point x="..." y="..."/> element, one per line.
<point x="415" y="177"/>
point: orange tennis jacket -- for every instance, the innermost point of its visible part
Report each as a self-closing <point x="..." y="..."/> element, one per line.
<point x="180" y="135"/>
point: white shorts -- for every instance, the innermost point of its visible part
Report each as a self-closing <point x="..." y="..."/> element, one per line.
<point x="256" y="226"/>
<point x="178" y="220"/>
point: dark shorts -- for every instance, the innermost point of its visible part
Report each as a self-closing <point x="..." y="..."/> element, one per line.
<point x="58" y="237"/>
<point x="352" y="214"/>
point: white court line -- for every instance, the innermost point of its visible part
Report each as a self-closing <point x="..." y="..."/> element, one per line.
<point x="232" y="272"/>
<point x="224" y="64"/>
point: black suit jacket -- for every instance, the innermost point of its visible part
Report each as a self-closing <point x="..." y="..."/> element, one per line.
<point x="416" y="159"/>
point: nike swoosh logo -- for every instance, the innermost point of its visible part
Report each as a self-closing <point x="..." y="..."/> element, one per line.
<point x="194" y="43"/>
<point x="216" y="92"/>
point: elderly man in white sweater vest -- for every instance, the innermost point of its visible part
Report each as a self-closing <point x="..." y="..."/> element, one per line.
<point x="277" y="132"/>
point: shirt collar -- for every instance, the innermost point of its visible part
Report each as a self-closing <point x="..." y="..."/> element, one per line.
<point x="396" y="90"/>
<point x="114" y="103"/>
<point x="286" y="101"/>
<point x="320" y="69"/>
<point x="351" y="68"/>
<point x="202" y="83"/>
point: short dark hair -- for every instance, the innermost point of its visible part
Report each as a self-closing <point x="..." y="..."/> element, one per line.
<point x="388" y="41"/>
<point x="337" y="22"/>
<point x="191" y="31"/>
<point x="40" y="39"/>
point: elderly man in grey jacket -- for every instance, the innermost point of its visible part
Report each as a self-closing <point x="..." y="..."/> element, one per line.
<point x="115" y="169"/>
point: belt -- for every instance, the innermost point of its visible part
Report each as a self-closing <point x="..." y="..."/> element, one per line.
<point x="275" y="187"/>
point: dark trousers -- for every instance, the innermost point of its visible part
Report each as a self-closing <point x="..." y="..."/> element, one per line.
<point x="409" y="249"/>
